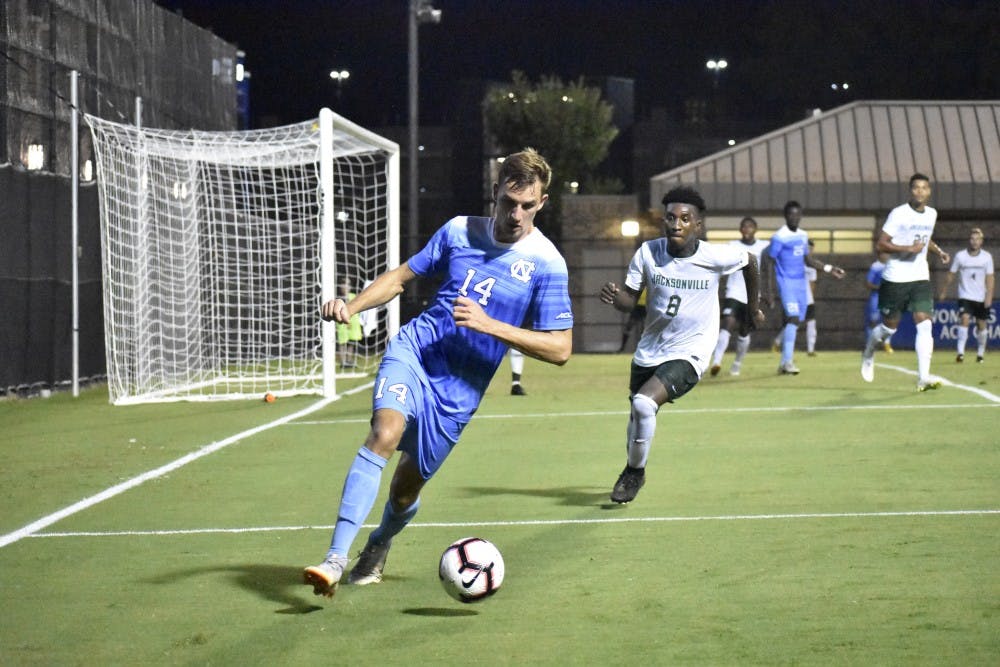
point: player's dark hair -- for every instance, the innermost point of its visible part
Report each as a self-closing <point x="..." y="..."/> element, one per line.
<point x="790" y="205"/>
<point x="918" y="177"/>
<point x="521" y="169"/>
<point x="750" y="220"/>
<point x="685" y="195"/>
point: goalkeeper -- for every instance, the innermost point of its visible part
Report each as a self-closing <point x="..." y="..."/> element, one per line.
<point x="496" y="273"/>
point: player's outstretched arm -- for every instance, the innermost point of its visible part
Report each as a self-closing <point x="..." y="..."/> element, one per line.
<point x="553" y="347"/>
<point x="382" y="290"/>
<point x="622" y="298"/>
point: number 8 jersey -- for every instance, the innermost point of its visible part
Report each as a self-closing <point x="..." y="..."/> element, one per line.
<point x="682" y="303"/>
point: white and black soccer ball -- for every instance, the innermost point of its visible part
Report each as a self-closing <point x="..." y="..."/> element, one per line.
<point x="471" y="569"/>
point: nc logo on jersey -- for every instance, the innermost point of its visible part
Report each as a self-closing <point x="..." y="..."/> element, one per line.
<point x="522" y="270"/>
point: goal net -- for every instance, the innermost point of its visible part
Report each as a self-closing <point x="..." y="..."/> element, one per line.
<point x="218" y="249"/>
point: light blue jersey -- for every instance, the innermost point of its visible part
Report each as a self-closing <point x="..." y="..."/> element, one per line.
<point x="525" y="283"/>
<point x="788" y="249"/>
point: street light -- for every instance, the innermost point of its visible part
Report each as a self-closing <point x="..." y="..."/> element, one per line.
<point x="421" y="11"/>
<point x="716" y="67"/>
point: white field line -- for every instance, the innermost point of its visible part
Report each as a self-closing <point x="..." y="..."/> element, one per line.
<point x="118" y="489"/>
<point x="674" y="411"/>
<point x="948" y="383"/>
<point x="546" y="522"/>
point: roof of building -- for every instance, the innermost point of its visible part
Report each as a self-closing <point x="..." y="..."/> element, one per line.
<point x="856" y="158"/>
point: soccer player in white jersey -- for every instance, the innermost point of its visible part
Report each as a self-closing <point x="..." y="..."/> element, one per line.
<point x="906" y="282"/>
<point x="734" y="303"/>
<point x="497" y="273"/>
<point x="680" y="274"/>
<point x="786" y="258"/>
<point x="974" y="267"/>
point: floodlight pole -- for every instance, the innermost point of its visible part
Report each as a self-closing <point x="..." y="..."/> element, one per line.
<point x="421" y="11"/>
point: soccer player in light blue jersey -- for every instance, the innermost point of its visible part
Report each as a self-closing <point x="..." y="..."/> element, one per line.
<point x="497" y="274"/>
<point x="788" y="255"/>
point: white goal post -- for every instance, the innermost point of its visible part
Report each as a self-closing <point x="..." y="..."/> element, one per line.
<point x="218" y="249"/>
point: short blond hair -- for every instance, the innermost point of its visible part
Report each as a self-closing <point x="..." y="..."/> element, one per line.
<point x="523" y="168"/>
<point x="976" y="231"/>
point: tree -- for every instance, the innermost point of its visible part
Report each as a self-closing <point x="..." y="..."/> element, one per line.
<point x="567" y="123"/>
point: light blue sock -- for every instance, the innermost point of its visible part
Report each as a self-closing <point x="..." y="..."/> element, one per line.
<point x="392" y="522"/>
<point x="360" y="490"/>
<point x="788" y="343"/>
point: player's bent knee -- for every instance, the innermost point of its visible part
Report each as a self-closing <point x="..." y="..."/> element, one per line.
<point x="644" y="406"/>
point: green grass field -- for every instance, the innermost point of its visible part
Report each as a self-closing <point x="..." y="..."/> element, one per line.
<point x="813" y="519"/>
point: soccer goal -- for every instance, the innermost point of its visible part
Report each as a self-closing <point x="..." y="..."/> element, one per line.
<point x="218" y="249"/>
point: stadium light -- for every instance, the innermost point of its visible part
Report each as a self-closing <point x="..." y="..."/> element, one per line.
<point x="340" y="76"/>
<point x="716" y="67"/>
<point x="630" y="228"/>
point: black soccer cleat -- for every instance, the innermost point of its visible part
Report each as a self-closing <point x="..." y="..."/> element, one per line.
<point x="628" y="484"/>
<point x="517" y="390"/>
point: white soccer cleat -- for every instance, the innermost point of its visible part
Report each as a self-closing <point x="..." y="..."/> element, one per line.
<point x="788" y="369"/>
<point x="325" y="576"/>
<point x="868" y="369"/>
<point x="734" y="370"/>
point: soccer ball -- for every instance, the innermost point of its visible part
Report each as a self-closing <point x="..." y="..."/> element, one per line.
<point x="471" y="569"/>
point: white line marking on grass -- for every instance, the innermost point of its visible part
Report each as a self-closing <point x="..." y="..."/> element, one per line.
<point x="674" y="411"/>
<point x="113" y="491"/>
<point x="544" y="522"/>
<point x="948" y="383"/>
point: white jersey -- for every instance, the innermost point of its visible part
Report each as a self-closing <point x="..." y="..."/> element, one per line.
<point x="682" y="300"/>
<point x="906" y="226"/>
<point x="810" y="279"/>
<point x="972" y="271"/>
<point x="736" y="287"/>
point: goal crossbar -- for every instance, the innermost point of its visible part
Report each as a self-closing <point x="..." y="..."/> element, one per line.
<point x="218" y="249"/>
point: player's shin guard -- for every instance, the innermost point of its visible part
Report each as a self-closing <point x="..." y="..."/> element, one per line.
<point x="742" y="347"/>
<point x="960" y="339"/>
<point x="924" y="346"/>
<point x="360" y="491"/>
<point x="788" y="343"/>
<point x="720" y="347"/>
<point x="811" y="335"/>
<point x="393" y="522"/>
<point x="982" y="337"/>
<point x="643" y="427"/>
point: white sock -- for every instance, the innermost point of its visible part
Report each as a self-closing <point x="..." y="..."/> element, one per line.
<point x="742" y="347"/>
<point x="810" y="335"/>
<point x="720" y="347"/>
<point x="643" y="423"/>
<point x="879" y="333"/>
<point x="516" y="361"/>
<point x="962" y="338"/>
<point x="924" y="345"/>
<point x="982" y="337"/>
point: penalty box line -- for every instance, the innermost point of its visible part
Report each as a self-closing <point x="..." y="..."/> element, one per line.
<point x="543" y="522"/>
<point x="111" y="492"/>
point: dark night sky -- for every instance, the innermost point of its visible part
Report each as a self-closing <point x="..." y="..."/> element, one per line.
<point x="783" y="55"/>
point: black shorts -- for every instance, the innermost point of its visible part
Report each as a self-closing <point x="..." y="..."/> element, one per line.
<point x="734" y="308"/>
<point x="677" y="375"/>
<point x="811" y="312"/>
<point x="975" y="309"/>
